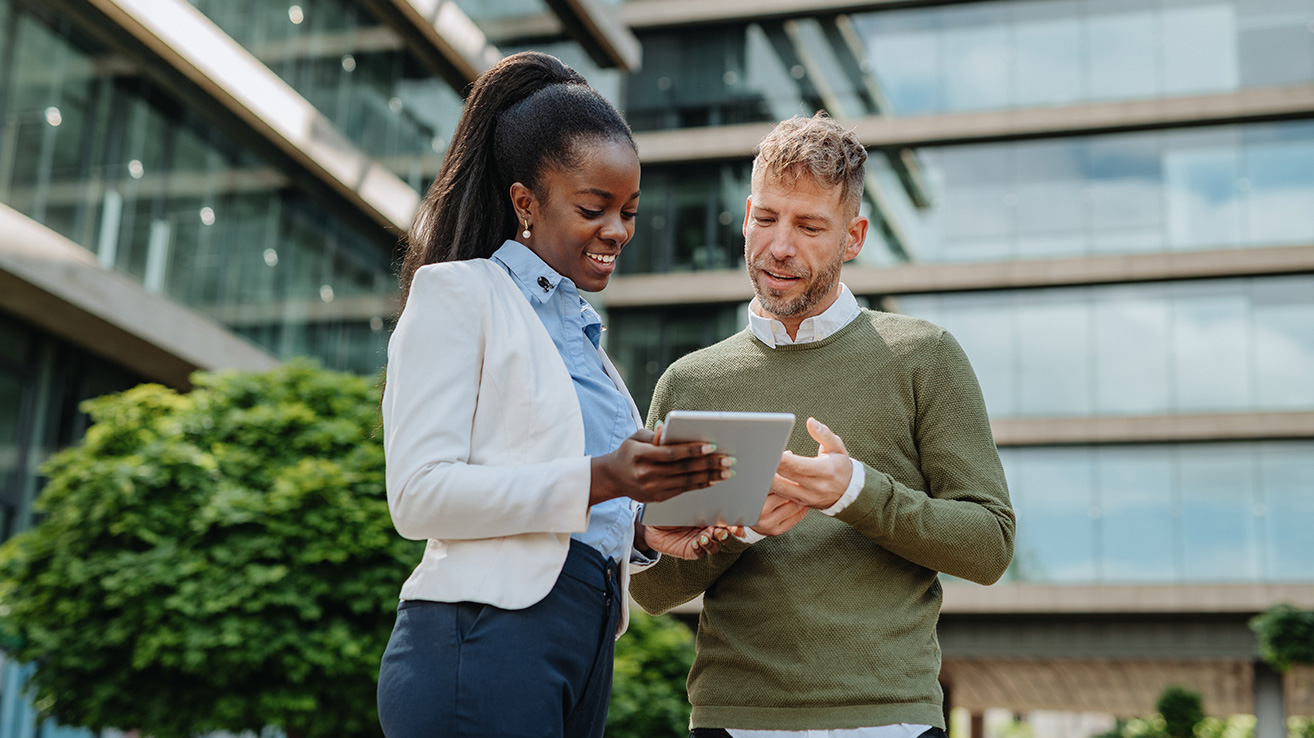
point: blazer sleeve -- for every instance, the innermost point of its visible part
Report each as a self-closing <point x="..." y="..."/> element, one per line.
<point x="435" y="359"/>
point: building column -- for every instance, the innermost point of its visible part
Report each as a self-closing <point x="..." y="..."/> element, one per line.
<point x="1270" y="703"/>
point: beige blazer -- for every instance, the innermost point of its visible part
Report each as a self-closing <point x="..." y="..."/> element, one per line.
<point x="484" y="441"/>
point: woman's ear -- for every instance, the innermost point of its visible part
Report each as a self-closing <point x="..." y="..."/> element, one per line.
<point x="523" y="202"/>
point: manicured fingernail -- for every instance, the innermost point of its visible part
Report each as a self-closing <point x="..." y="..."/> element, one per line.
<point x="728" y="461"/>
<point x="709" y="448"/>
<point x="726" y="474"/>
<point x="722" y="535"/>
<point x="704" y="541"/>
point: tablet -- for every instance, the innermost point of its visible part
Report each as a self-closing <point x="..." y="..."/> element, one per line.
<point x="756" y="440"/>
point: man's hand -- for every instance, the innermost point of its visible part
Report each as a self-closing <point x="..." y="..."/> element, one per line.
<point x="779" y="514"/>
<point x="692" y="542"/>
<point x="816" y="482"/>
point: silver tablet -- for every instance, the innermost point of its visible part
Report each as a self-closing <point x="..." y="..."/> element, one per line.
<point x="756" y="440"/>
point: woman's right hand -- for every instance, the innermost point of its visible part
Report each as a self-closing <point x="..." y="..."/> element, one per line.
<point x="646" y="472"/>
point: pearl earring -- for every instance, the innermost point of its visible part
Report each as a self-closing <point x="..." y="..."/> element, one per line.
<point x="526" y="233"/>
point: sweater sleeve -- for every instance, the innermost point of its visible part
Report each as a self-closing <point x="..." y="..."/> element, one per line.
<point x="963" y="525"/>
<point x="672" y="581"/>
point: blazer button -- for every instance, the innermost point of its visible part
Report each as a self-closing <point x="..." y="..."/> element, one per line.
<point x="545" y="284"/>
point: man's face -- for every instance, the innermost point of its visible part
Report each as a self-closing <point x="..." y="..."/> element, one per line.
<point x="796" y="236"/>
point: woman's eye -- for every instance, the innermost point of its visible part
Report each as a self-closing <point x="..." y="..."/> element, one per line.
<point x="590" y="213"/>
<point x="631" y="215"/>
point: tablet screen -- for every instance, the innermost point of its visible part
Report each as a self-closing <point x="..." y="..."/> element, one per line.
<point x="756" y="440"/>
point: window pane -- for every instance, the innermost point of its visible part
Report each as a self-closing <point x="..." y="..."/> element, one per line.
<point x="1135" y="515"/>
<point x="1218" y="514"/>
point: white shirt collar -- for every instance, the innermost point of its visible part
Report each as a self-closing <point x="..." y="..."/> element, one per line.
<point x="772" y="332"/>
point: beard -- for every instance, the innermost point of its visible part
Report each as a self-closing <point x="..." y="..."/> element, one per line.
<point x="815" y="287"/>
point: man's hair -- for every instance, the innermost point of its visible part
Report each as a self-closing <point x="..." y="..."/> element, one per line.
<point x="819" y="148"/>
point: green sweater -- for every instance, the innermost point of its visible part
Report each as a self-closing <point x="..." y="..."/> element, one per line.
<point x="832" y="625"/>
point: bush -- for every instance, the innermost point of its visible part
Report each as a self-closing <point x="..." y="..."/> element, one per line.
<point x="1182" y="710"/>
<point x="1286" y="636"/>
<point x="219" y="560"/>
<point x="648" y="698"/>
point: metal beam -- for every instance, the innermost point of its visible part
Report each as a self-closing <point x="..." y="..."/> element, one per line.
<point x="878" y="131"/>
<point x="596" y="27"/>
<point x="645" y="290"/>
<point x="57" y="285"/>
<point x="1019" y="598"/>
<point x="189" y="43"/>
<point x="440" y="34"/>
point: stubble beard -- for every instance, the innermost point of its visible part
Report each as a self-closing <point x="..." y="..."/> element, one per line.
<point x="818" y="286"/>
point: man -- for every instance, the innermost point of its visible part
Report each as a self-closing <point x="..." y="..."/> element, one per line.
<point x="822" y="617"/>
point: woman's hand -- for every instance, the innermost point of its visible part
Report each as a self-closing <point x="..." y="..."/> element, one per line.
<point x="646" y="472"/>
<point x="692" y="542"/>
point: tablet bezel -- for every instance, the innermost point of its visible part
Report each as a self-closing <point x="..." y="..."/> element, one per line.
<point x="755" y="439"/>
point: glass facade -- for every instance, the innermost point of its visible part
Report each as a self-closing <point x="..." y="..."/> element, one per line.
<point x="1220" y="187"/>
<point x="1233" y="345"/>
<point x="42" y="381"/>
<point x="1177" y="190"/>
<point x="355" y="71"/>
<point x="1163" y="514"/>
<point x="643" y="342"/>
<point x="117" y="164"/>
<point x="968" y="57"/>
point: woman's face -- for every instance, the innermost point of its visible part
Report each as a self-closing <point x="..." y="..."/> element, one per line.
<point x="585" y="215"/>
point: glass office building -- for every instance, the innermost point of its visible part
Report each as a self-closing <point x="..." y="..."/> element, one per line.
<point x="1110" y="203"/>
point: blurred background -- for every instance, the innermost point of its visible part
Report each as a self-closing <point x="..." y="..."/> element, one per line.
<point x="1109" y="202"/>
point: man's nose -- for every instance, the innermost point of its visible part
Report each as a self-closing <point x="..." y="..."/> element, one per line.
<point x="782" y="245"/>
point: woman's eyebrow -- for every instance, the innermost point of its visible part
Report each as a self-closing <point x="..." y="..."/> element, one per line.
<point x="601" y="193"/>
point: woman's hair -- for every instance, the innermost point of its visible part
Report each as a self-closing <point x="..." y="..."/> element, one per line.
<point x="528" y="111"/>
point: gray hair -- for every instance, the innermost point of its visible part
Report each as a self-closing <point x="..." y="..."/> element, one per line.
<point x="817" y="147"/>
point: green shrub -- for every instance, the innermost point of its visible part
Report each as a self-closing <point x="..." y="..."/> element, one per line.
<point x="217" y="560"/>
<point x="648" y="698"/>
<point x="1286" y="636"/>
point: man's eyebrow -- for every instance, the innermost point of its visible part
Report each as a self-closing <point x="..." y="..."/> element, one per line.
<point x="602" y="193"/>
<point x="815" y="216"/>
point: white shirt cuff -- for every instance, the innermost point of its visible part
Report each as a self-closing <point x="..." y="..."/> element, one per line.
<point x="751" y="536"/>
<point x="858" y="479"/>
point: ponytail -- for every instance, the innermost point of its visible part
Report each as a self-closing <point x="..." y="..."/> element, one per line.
<point x="528" y="110"/>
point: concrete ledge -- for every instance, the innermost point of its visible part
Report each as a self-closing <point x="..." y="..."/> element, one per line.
<point x="182" y="37"/>
<point x="654" y="14"/>
<point x="57" y="285"/>
<point x="682" y="288"/>
<point x="964" y="598"/>
<point x="1252" y="426"/>
<point x="890" y="131"/>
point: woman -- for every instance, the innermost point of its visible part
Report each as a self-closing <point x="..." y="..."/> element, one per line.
<point x="512" y="445"/>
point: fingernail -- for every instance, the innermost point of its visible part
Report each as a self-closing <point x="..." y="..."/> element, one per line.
<point x="721" y="536"/>
<point x="727" y="473"/>
<point x="704" y="541"/>
<point x="728" y="461"/>
<point x="709" y="448"/>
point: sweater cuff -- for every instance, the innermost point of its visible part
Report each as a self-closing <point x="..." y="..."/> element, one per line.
<point x="877" y="489"/>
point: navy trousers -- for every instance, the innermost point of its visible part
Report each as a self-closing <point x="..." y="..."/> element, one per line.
<point x="468" y="669"/>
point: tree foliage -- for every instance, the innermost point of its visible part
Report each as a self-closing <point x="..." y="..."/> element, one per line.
<point x="648" y="698"/>
<point x="1286" y="636"/>
<point x="216" y="560"/>
<point x="1182" y="709"/>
